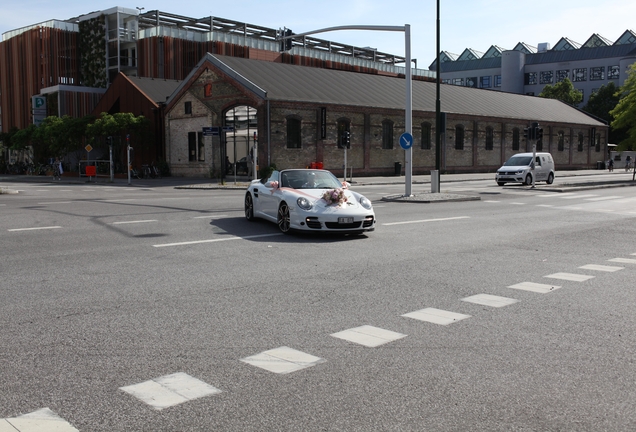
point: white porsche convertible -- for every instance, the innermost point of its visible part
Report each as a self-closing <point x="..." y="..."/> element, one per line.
<point x="308" y="200"/>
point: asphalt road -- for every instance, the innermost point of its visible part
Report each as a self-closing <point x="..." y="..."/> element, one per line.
<point x="157" y="309"/>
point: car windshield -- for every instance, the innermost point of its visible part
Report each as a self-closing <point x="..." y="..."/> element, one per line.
<point x="519" y="161"/>
<point x="309" y="179"/>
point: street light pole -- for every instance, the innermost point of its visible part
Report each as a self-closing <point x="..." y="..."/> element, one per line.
<point x="408" y="111"/>
<point x="438" y="115"/>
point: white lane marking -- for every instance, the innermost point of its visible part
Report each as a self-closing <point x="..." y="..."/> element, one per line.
<point x="427" y="220"/>
<point x="436" y="316"/>
<point x="555" y="195"/>
<point x="170" y="390"/>
<point x="517" y="203"/>
<point x="1" y="205"/>
<point x="41" y="420"/>
<point x="368" y="336"/>
<point x="283" y="360"/>
<point x="534" y="287"/>
<point x="55" y="202"/>
<point x="490" y="300"/>
<point x="623" y="260"/>
<point x="210" y="217"/>
<point x="579" y="196"/>
<point x="570" y="277"/>
<point x="604" y="268"/>
<point x="491" y="201"/>
<point x="119" y="200"/>
<point x="215" y="240"/>
<point x="134" y="222"/>
<point x="602" y="198"/>
<point x="33" y="229"/>
<point x="545" y="205"/>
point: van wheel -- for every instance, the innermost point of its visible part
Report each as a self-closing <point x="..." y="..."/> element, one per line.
<point x="528" y="181"/>
<point x="550" y="179"/>
<point x="501" y="183"/>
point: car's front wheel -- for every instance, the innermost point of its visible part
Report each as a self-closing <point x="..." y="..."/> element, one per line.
<point x="501" y="183"/>
<point x="550" y="179"/>
<point x="249" y="207"/>
<point x="284" y="219"/>
<point x="528" y="181"/>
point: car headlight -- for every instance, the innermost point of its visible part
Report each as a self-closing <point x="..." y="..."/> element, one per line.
<point x="304" y="203"/>
<point x="364" y="202"/>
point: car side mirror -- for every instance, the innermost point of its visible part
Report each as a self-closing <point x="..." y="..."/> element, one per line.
<point x="346" y="185"/>
<point x="272" y="184"/>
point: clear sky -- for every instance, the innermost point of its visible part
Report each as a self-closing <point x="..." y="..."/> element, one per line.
<point x="476" y="24"/>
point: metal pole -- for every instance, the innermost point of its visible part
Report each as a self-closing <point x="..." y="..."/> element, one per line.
<point x="112" y="168"/>
<point x="408" y="121"/>
<point x="438" y="111"/>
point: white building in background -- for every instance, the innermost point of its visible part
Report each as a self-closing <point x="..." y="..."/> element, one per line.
<point x="527" y="70"/>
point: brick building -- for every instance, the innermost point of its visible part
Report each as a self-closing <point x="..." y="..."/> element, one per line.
<point x="297" y="115"/>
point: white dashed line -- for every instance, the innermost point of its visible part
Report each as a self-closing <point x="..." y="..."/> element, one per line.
<point x="570" y="277"/>
<point x="436" y="316"/>
<point x="427" y="220"/>
<point x="134" y="222"/>
<point x="283" y="360"/>
<point x="490" y="300"/>
<point x="604" y="268"/>
<point x="534" y="287"/>
<point x="623" y="260"/>
<point x="34" y="229"/>
<point x="368" y="336"/>
<point x="215" y="240"/>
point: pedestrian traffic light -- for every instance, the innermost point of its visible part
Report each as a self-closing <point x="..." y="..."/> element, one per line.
<point x="347" y="139"/>
<point x="539" y="134"/>
<point x="526" y="133"/>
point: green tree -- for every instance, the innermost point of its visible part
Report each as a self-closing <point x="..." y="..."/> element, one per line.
<point x="625" y="112"/>
<point x="601" y="103"/>
<point x="563" y="91"/>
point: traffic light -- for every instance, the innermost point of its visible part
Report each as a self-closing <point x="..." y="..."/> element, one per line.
<point x="539" y="134"/>
<point x="526" y="133"/>
<point x="285" y="44"/>
<point x="345" y="140"/>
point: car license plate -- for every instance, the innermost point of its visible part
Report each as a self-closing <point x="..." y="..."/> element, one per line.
<point x="345" y="220"/>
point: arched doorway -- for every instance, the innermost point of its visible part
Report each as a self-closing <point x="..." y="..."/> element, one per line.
<point x="240" y="137"/>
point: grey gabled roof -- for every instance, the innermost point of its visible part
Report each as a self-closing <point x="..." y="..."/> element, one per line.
<point x="158" y="90"/>
<point x="291" y="83"/>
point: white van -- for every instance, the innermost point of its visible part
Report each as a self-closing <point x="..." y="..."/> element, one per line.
<point x="518" y="169"/>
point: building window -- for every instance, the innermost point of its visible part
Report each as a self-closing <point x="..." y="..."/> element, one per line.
<point x="471" y="82"/>
<point x="562" y="74"/>
<point x="447" y="81"/>
<point x="344" y="125"/>
<point x="597" y="73"/>
<point x="580" y="146"/>
<point x="613" y="72"/>
<point x="497" y="80"/>
<point x="579" y="74"/>
<point x="489" y="138"/>
<point x="207" y="90"/>
<point x="546" y="77"/>
<point x="187" y="107"/>
<point x="294" y="137"/>
<point x="426" y="136"/>
<point x="458" y="81"/>
<point x="387" y="134"/>
<point x="196" y="147"/>
<point x="515" y="139"/>
<point x="598" y="143"/>
<point x="459" y="137"/>
<point x="560" y="141"/>
<point x="485" y="82"/>
<point x="530" y="78"/>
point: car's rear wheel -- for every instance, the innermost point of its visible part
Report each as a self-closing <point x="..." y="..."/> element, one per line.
<point x="528" y="181"/>
<point x="550" y="179"/>
<point x="284" y="220"/>
<point x="249" y="207"/>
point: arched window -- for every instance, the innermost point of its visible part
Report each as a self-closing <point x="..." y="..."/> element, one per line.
<point x="387" y="134"/>
<point x="515" y="139"/>
<point x="489" y="138"/>
<point x="426" y="136"/>
<point x="294" y="136"/>
<point x="581" y="139"/>
<point x="344" y="125"/>
<point x="459" y="137"/>
<point x="560" y="141"/>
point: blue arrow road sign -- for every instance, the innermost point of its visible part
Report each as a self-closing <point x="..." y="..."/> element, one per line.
<point x="406" y="140"/>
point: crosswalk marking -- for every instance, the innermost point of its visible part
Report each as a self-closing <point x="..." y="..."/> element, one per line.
<point x="623" y="260"/>
<point x="283" y="360"/>
<point x="534" y="287"/>
<point x="42" y="420"/>
<point x="170" y="390"/>
<point x="490" y="300"/>
<point x="368" y="336"/>
<point x="570" y="277"/>
<point x="436" y="316"/>
<point x="604" y="268"/>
